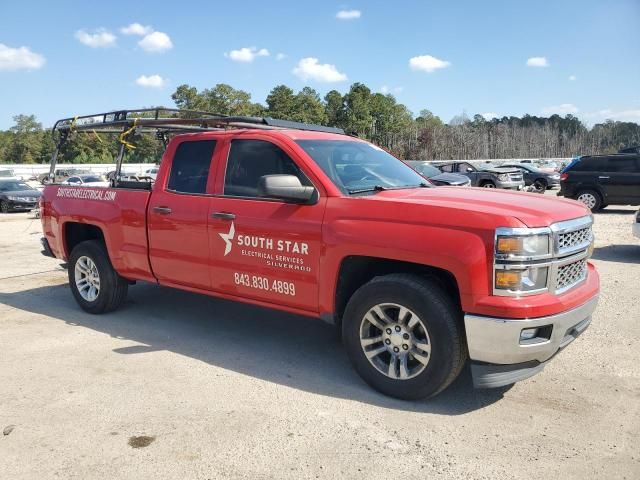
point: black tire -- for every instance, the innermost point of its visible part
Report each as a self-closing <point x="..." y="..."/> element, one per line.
<point x="541" y="185"/>
<point x="4" y="206"/>
<point x="488" y="184"/>
<point x="440" y="315"/>
<point x="113" y="288"/>
<point x="591" y="199"/>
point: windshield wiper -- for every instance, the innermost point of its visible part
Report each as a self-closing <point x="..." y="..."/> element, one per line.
<point x="374" y="188"/>
<point x="380" y="188"/>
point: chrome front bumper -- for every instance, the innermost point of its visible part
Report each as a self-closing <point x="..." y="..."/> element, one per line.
<point x="498" y="355"/>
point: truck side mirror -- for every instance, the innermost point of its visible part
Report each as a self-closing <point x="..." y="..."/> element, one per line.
<point x="285" y="187"/>
<point x="469" y="169"/>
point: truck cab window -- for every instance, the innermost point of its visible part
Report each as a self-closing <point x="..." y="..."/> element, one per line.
<point x="190" y="167"/>
<point x="249" y="160"/>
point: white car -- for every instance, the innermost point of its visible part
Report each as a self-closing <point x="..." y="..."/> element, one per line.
<point x="88" y="180"/>
<point x="152" y="173"/>
<point x="636" y="225"/>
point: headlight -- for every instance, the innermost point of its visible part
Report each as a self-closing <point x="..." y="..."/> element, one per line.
<point x="503" y="177"/>
<point x="526" y="280"/>
<point x="515" y="246"/>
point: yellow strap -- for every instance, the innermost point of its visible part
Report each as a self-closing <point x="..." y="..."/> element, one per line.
<point x="97" y="136"/>
<point x="126" y="133"/>
<point x="72" y="127"/>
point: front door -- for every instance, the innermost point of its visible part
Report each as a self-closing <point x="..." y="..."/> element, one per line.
<point x="263" y="248"/>
<point x="178" y="217"/>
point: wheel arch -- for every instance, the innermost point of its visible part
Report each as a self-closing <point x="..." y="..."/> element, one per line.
<point x="357" y="270"/>
<point x="74" y="233"/>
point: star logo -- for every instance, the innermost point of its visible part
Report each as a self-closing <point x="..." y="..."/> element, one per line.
<point x="228" y="239"/>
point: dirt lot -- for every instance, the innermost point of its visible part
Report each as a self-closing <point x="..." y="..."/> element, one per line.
<point x="177" y="385"/>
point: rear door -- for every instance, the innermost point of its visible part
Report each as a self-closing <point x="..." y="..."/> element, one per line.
<point x="263" y="248"/>
<point x="178" y="215"/>
<point x="622" y="178"/>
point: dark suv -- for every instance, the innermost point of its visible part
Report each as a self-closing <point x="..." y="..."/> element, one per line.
<point x="601" y="180"/>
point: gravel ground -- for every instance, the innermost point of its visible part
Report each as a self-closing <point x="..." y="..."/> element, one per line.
<point x="177" y="385"/>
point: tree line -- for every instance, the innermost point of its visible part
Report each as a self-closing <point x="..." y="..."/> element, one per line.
<point x="374" y="116"/>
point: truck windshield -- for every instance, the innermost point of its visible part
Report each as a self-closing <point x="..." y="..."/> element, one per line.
<point x="358" y="167"/>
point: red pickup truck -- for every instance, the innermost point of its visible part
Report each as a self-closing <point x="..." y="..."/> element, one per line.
<point x="419" y="278"/>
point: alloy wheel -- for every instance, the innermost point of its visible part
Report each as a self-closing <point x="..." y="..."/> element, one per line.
<point x="87" y="278"/>
<point x="395" y="341"/>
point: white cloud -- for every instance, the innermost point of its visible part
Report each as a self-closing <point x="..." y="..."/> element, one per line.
<point x="630" y="115"/>
<point x="21" y="58"/>
<point x="572" y="78"/>
<point x="280" y="56"/>
<point x="427" y="63"/>
<point x="537" y="62"/>
<point x="385" y="89"/>
<point x="248" y="54"/>
<point x="489" y="115"/>
<point x="348" y="14"/>
<point x="309" y="68"/>
<point x="156" y="42"/>
<point x="151" y="81"/>
<point x="562" y="109"/>
<point x="99" y="38"/>
<point x="136" y="29"/>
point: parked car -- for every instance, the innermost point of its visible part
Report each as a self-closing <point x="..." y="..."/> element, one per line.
<point x="601" y="180"/>
<point x="61" y="175"/>
<point x="152" y="173"/>
<point x="486" y="175"/>
<point x="437" y="177"/>
<point x="636" y="225"/>
<point x="88" y="180"/>
<point x="308" y="220"/>
<point x="536" y="177"/>
<point x="17" y="195"/>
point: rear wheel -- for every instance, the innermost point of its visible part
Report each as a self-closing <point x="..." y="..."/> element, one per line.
<point x="404" y="337"/>
<point x="591" y="199"/>
<point x="96" y="286"/>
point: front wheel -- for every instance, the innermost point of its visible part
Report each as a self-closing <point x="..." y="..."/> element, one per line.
<point x="404" y="337"/>
<point x="95" y="284"/>
<point x="4" y="206"/>
<point x="489" y="185"/>
<point x="540" y="185"/>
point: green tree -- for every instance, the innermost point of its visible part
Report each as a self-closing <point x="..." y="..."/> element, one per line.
<point x="308" y="107"/>
<point x="358" y="118"/>
<point x="334" y="109"/>
<point x="281" y="103"/>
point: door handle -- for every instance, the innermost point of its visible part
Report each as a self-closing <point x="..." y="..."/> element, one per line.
<point x="224" y="215"/>
<point x="162" y="210"/>
<point x="602" y="177"/>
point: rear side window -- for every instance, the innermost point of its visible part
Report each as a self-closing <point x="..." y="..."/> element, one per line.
<point x="611" y="164"/>
<point x="250" y="160"/>
<point x="623" y="164"/>
<point x="446" y="168"/>
<point x="190" y="167"/>
<point x="591" y="164"/>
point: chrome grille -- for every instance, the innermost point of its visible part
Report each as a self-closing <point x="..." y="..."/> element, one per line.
<point x="571" y="274"/>
<point x="574" y="239"/>
<point x="516" y="177"/>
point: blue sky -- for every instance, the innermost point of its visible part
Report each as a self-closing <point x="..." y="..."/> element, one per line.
<point x="491" y="57"/>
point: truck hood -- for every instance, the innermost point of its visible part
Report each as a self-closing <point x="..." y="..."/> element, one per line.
<point x="450" y="179"/>
<point x="531" y="209"/>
